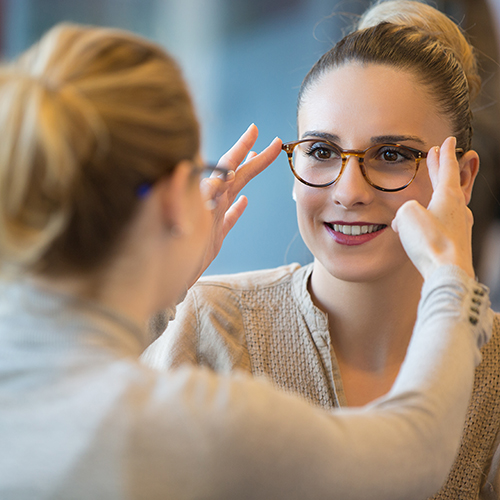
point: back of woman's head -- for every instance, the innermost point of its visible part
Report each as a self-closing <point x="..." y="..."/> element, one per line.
<point x="87" y="116"/>
<point x="417" y="38"/>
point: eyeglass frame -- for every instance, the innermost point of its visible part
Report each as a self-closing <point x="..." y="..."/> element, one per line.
<point x="223" y="173"/>
<point x="288" y="148"/>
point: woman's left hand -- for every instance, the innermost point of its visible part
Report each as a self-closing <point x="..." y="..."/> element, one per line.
<point x="245" y="164"/>
<point x="441" y="233"/>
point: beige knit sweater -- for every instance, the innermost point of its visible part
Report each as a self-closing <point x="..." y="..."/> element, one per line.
<point x="265" y="323"/>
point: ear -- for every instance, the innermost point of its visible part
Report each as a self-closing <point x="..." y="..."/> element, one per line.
<point x="469" y="168"/>
<point x="173" y="194"/>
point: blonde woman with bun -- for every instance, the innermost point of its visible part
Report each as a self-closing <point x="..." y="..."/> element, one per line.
<point x="105" y="219"/>
<point x="336" y="331"/>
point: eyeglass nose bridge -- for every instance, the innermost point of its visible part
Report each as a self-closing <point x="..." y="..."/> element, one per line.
<point x="345" y="155"/>
<point x="353" y="152"/>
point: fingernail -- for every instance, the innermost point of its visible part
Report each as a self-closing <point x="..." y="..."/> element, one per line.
<point x="230" y="175"/>
<point x="437" y="149"/>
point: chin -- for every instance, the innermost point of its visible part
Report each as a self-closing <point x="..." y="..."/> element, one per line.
<point x="366" y="270"/>
<point x="359" y="275"/>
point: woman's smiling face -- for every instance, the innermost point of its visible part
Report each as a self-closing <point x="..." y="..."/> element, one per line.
<point x="358" y="106"/>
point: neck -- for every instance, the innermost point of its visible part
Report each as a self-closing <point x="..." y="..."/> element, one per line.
<point x="144" y="275"/>
<point x="370" y="322"/>
<point x="111" y="293"/>
<point x="128" y="284"/>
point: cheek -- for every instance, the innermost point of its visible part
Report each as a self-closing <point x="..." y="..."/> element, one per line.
<point x="309" y="200"/>
<point x="425" y="188"/>
<point x="420" y="190"/>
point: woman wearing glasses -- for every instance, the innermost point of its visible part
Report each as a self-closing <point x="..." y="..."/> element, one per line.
<point x="336" y="331"/>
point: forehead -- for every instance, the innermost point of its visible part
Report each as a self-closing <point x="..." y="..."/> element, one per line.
<point x="358" y="101"/>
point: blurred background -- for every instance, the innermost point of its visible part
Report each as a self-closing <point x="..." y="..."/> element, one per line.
<point x="244" y="61"/>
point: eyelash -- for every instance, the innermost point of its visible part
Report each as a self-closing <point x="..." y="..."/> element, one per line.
<point x="318" y="147"/>
<point x="400" y="152"/>
<point x="315" y="148"/>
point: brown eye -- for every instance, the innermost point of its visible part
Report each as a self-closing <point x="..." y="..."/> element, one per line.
<point x="390" y="156"/>
<point x="321" y="152"/>
<point x="394" y="154"/>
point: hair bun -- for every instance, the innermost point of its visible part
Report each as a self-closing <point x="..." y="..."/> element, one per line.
<point x="435" y="24"/>
<point x="88" y="115"/>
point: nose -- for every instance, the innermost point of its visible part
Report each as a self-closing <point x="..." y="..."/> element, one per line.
<point x="351" y="188"/>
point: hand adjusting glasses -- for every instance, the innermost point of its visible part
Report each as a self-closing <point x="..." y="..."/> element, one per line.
<point x="387" y="167"/>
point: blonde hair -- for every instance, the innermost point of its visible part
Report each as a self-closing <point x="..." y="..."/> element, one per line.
<point x="87" y="116"/>
<point x="435" y="23"/>
<point x="414" y="37"/>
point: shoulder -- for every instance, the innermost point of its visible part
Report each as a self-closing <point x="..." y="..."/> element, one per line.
<point x="272" y="290"/>
<point x="250" y="280"/>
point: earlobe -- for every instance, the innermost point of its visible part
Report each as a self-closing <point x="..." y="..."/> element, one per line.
<point x="469" y="168"/>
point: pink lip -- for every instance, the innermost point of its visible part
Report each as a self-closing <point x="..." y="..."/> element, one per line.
<point x="349" y="239"/>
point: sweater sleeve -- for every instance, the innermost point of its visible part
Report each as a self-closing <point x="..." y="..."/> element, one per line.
<point x="254" y="442"/>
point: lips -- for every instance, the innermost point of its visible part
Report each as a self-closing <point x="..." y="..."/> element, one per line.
<point x="354" y="234"/>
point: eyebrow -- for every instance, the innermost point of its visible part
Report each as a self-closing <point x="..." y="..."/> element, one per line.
<point x="380" y="139"/>
<point x="321" y="135"/>
<point x="397" y="138"/>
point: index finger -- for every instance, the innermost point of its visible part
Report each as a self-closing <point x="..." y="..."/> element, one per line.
<point x="443" y="166"/>
<point x="448" y="197"/>
<point x="255" y="165"/>
<point x="233" y="158"/>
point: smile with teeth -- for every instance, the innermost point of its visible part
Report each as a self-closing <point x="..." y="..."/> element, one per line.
<point x="356" y="230"/>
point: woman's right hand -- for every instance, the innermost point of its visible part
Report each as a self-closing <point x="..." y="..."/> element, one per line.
<point x="441" y="233"/>
<point x="245" y="164"/>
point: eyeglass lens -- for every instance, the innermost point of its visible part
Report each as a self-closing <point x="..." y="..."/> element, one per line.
<point x="386" y="166"/>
